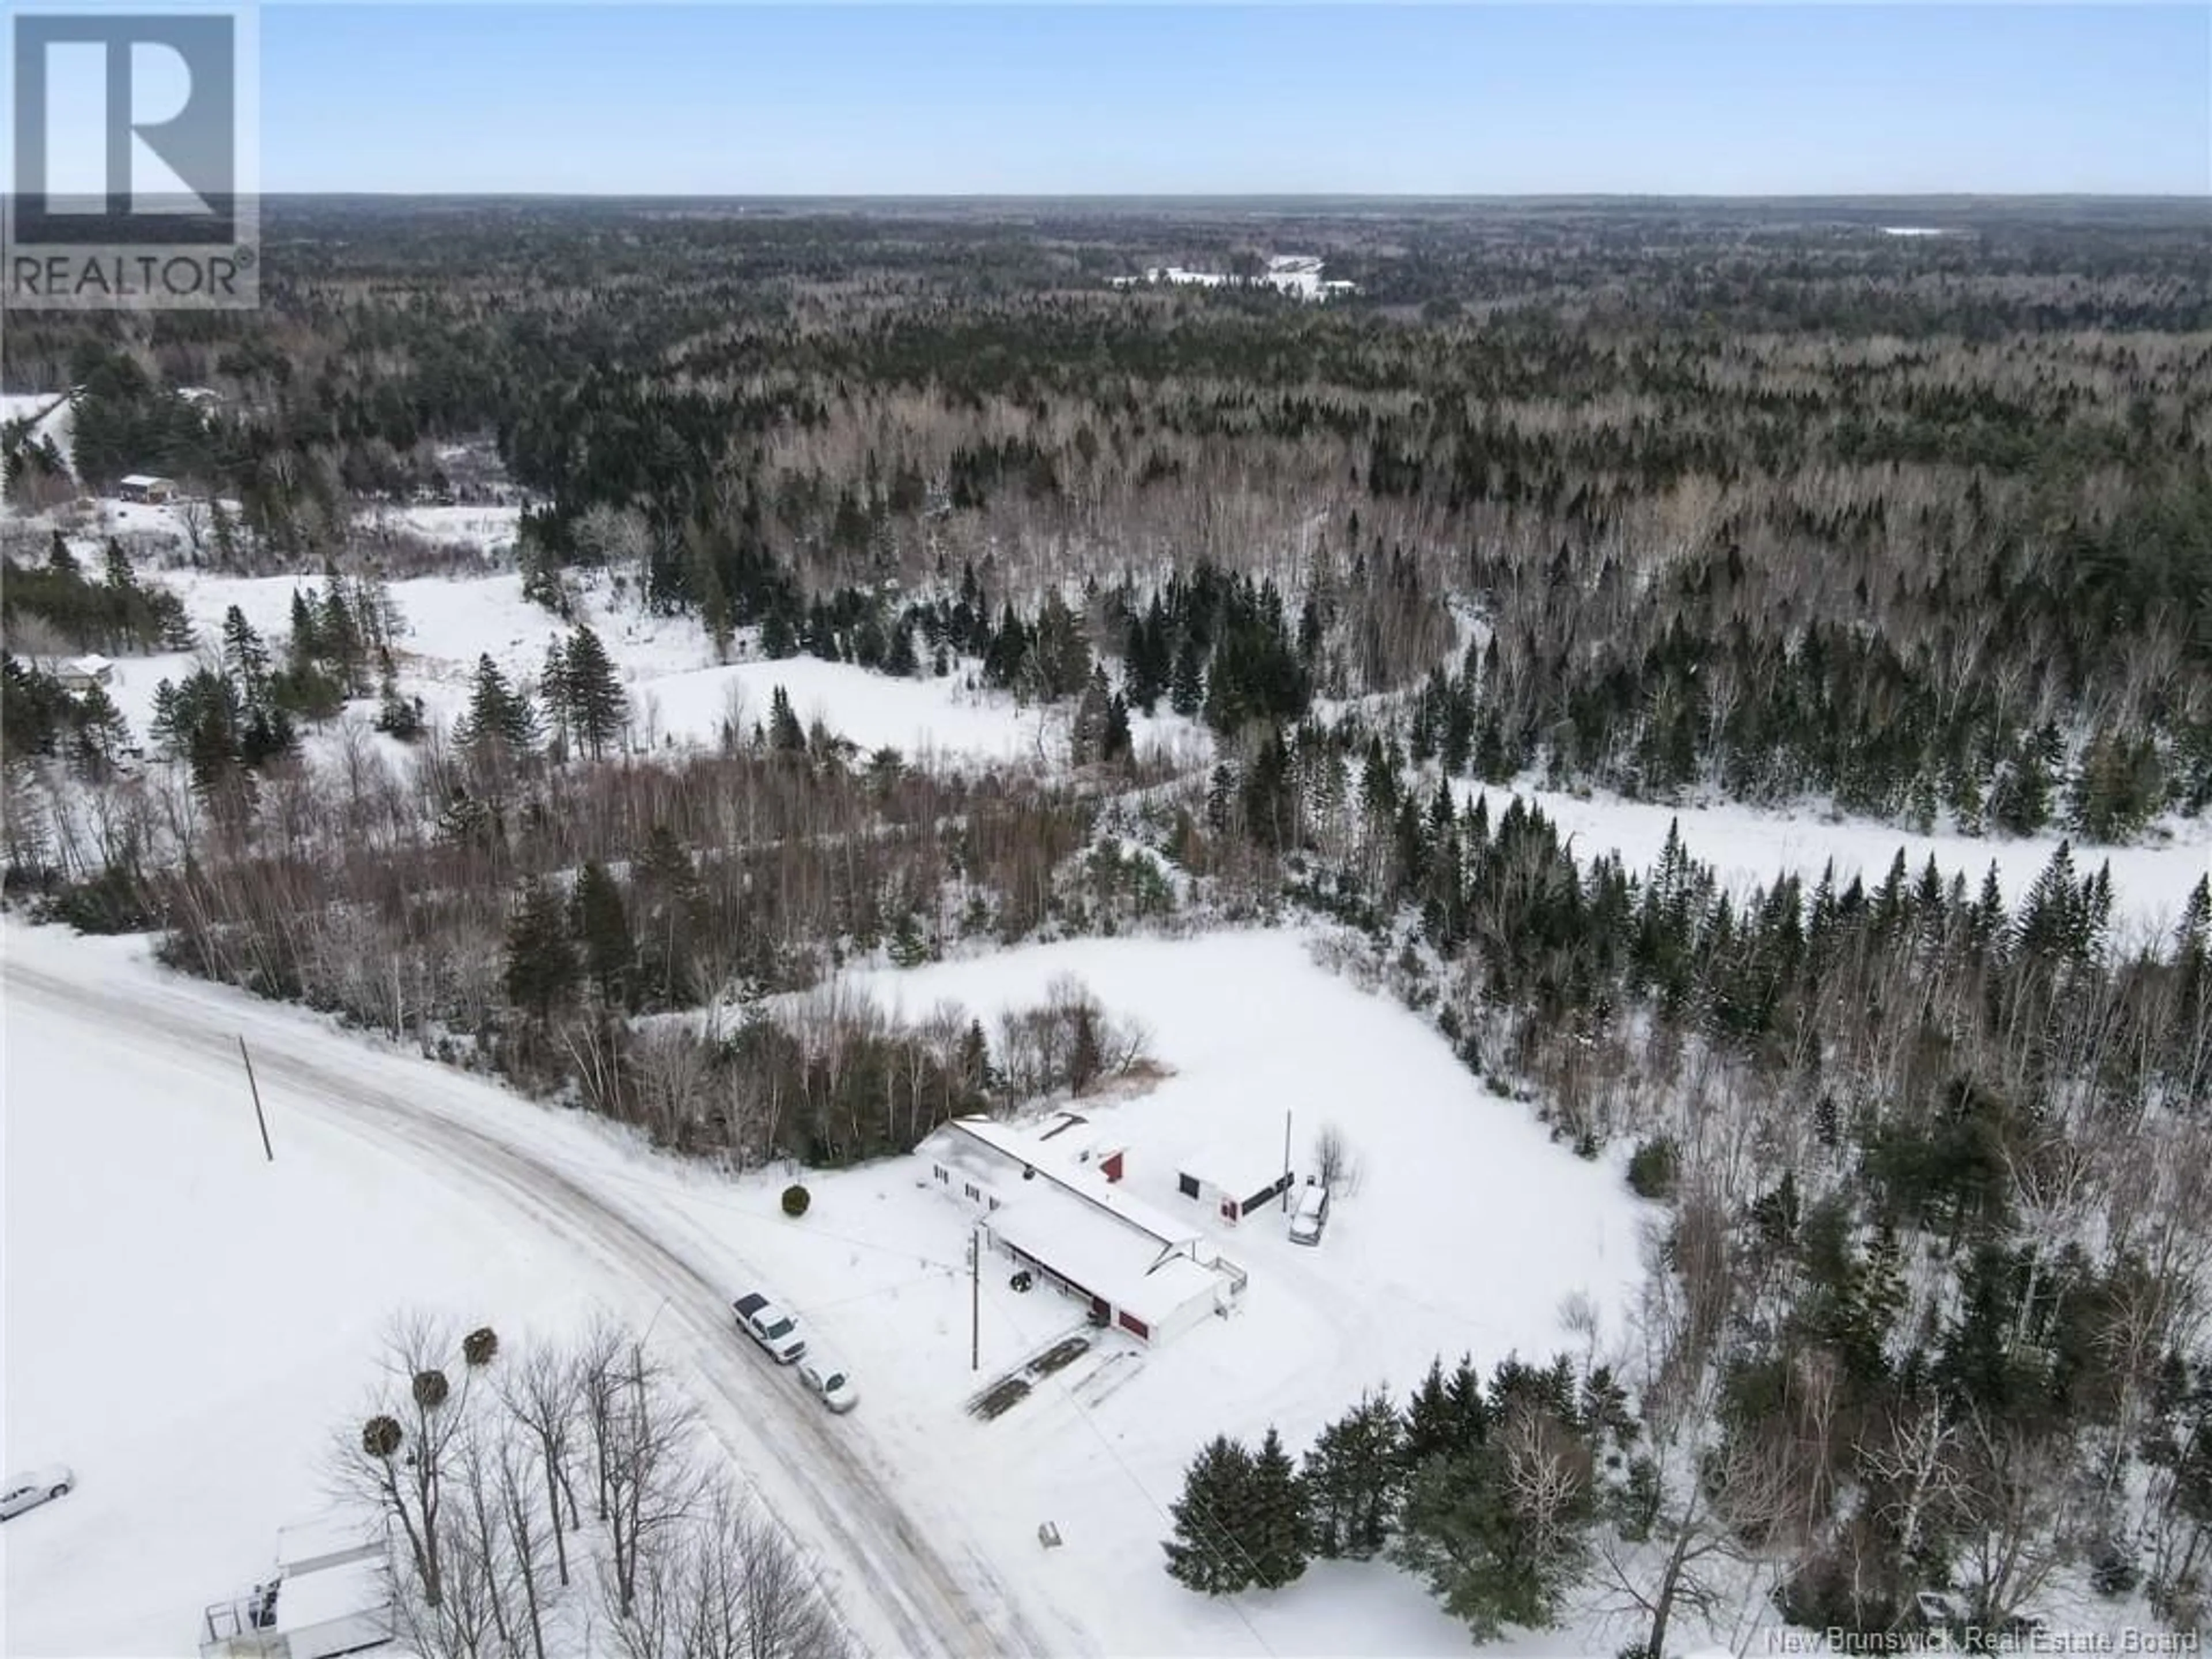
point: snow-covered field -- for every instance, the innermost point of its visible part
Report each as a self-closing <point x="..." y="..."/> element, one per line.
<point x="186" y="1323"/>
<point x="1470" y="1230"/>
<point x="679" y="694"/>
<point x="1746" y="844"/>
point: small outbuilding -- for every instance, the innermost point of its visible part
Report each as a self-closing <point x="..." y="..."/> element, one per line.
<point x="145" y="487"/>
<point x="80" y="674"/>
<point x="1233" y="1178"/>
<point x="332" y="1595"/>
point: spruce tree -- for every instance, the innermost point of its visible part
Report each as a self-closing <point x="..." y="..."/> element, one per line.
<point x="1087" y="732"/>
<point x="1275" y="1532"/>
<point x="1206" y="1553"/>
<point x="244" y="656"/>
<point x="102" y="734"/>
<point x="900" y="659"/>
<point x="1118" y="745"/>
<point x="542" y="964"/>
<point x="161" y="730"/>
<point x="598" y="708"/>
<point x="1187" y="685"/>
<point x="1428" y="1425"/>
<point x="1353" y="1477"/>
<point x="121" y="580"/>
<point x="553" y="687"/>
<point x="497" y="714"/>
<point x="778" y="640"/>
<point x="1145" y="657"/>
<point x="784" y="733"/>
<point x="305" y="647"/>
<point x="1063" y="656"/>
<point x="603" y="926"/>
<point x="342" y="634"/>
<point x="671" y="904"/>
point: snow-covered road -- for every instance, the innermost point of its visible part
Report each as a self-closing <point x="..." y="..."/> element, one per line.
<point x="903" y="1587"/>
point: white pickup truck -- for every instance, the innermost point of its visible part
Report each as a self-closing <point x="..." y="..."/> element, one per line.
<point x="770" y="1325"/>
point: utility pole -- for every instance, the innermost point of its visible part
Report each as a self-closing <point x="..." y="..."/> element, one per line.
<point x="260" y="1117"/>
<point x="975" y="1299"/>
<point x="1286" y="1163"/>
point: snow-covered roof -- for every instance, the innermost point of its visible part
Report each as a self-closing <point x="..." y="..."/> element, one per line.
<point x="1102" y="1253"/>
<point x="141" y="480"/>
<point x="334" y="1536"/>
<point x="1078" y="1139"/>
<point x="1239" y="1165"/>
<point x="91" y="663"/>
<point x="1016" y="1145"/>
<point x="324" y="1594"/>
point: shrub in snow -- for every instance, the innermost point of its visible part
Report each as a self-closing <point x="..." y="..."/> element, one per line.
<point x="480" y="1346"/>
<point x="2113" y="1569"/>
<point x="795" y="1200"/>
<point x="1652" y="1168"/>
<point x="430" y="1389"/>
<point x="380" y="1437"/>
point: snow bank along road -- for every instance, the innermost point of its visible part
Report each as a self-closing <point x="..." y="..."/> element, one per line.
<point x="896" y="1589"/>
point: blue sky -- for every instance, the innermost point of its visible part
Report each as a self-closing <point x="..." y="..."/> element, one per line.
<point x="1054" y="98"/>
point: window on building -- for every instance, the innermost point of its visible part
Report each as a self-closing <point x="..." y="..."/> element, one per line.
<point x="973" y="1191"/>
<point x="941" y="1174"/>
<point x="1188" y="1183"/>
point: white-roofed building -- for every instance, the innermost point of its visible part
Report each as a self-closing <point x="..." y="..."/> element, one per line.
<point x="80" y="674"/>
<point x="143" y="487"/>
<point x="1234" y="1178"/>
<point x="332" y="1595"/>
<point x="1047" y="1197"/>
<point x="1127" y="1276"/>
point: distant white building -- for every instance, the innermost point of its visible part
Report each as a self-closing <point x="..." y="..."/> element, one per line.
<point x="83" y="673"/>
<point x="1297" y="274"/>
<point x="1047" y="1197"/>
<point x="145" y="487"/>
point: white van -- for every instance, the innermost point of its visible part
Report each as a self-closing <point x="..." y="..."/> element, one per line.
<point x="1309" y="1215"/>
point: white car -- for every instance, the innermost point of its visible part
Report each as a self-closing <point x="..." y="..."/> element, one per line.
<point x="770" y="1325"/>
<point x="834" y="1388"/>
<point x="1310" y="1215"/>
<point x="33" y="1487"/>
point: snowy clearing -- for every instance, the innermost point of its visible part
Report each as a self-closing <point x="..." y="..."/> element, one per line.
<point x="260" y="1289"/>
<point x="1746" y="844"/>
<point x="397" y="1183"/>
<point x="678" y="693"/>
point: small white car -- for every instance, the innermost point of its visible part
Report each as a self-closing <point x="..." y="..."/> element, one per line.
<point x="33" y="1487"/>
<point x="834" y="1388"/>
<point x="1310" y="1215"/>
<point x="770" y="1325"/>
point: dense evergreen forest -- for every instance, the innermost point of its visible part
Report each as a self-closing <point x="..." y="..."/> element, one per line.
<point x="1751" y="503"/>
<point x="1761" y="503"/>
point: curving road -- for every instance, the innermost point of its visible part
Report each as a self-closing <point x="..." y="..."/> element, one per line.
<point x="896" y="1585"/>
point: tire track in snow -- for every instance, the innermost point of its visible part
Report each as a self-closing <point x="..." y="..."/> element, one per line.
<point x="924" y="1603"/>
